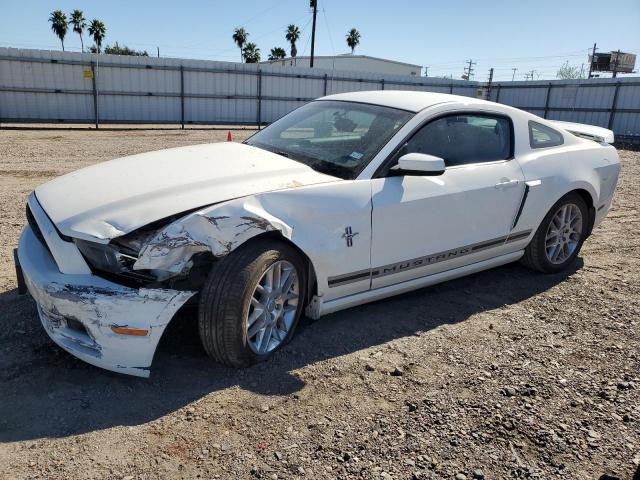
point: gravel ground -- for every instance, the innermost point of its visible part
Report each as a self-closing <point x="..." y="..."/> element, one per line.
<point x="504" y="374"/>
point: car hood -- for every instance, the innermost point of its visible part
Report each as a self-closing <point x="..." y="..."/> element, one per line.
<point x="113" y="198"/>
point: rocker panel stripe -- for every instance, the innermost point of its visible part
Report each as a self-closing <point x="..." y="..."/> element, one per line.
<point x="419" y="262"/>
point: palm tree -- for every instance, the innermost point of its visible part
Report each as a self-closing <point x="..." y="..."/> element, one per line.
<point x="98" y="31"/>
<point x="240" y="37"/>
<point x="79" y="24"/>
<point x="292" y="36"/>
<point x="59" y="25"/>
<point x="277" y="53"/>
<point x="353" y="39"/>
<point x="251" y="53"/>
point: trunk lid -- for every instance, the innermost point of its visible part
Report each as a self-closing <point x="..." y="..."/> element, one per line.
<point x="590" y="132"/>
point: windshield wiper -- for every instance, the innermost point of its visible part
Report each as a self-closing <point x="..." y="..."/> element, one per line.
<point x="332" y="169"/>
<point x="269" y="148"/>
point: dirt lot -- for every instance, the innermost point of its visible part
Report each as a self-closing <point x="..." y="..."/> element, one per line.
<point x="505" y="374"/>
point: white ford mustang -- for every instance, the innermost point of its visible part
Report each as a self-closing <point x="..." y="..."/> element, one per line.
<point x="348" y="199"/>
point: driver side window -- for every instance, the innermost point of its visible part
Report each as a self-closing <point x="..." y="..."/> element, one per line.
<point x="464" y="139"/>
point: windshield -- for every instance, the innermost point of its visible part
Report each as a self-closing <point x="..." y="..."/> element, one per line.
<point x="332" y="137"/>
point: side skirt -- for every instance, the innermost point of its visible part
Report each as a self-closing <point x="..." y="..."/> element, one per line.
<point x="342" y="303"/>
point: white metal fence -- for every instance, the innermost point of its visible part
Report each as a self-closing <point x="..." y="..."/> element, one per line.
<point x="52" y="86"/>
<point x="38" y="85"/>
<point x="612" y="103"/>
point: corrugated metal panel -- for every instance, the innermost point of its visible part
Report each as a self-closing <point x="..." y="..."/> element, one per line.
<point x="200" y="110"/>
<point x="579" y="96"/>
<point x="291" y="87"/>
<point x="139" y="109"/>
<point x="629" y="97"/>
<point x="50" y="106"/>
<point x="523" y="97"/>
<point x="626" y="123"/>
<point x="466" y="91"/>
<point x="273" y="110"/>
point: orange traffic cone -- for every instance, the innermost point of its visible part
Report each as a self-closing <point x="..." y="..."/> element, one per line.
<point x="229" y="137"/>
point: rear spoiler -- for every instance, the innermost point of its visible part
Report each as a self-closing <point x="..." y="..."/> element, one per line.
<point x="590" y="132"/>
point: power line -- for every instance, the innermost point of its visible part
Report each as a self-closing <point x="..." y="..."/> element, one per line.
<point x="282" y="27"/>
<point x="497" y="60"/>
<point x="243" y="23"/>
<point x="326" y="22"/>
<point x="308" y="39"/>
<point x="261" y="13"/>
<point x="333" y="49"/>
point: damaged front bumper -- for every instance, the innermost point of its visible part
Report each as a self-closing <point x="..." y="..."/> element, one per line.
<point x="81" y="311"/>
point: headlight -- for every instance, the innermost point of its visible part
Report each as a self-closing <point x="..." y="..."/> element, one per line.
<point x="105" y="257"/>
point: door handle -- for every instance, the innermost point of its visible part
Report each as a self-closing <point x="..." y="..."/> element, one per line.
<point x="507" y="184"/>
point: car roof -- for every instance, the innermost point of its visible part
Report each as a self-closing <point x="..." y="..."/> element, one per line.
<point x="405" y="100"/>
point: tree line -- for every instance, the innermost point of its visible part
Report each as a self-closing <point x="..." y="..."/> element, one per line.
<point x="250" y="53"/>
<point x="97" y="30"/>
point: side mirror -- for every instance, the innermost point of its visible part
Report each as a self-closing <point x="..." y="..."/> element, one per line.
<point x="419" y="164"/>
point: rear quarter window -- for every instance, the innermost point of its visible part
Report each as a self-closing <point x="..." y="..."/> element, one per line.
<point x="541" y="136"/>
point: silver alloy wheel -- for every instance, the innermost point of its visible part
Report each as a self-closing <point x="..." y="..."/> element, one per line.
<point x="273" y="307"/>
<point x="563" y="233"/>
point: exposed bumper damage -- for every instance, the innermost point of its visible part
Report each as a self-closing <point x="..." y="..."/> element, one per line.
<point x="79" y="312"/>
<point x="218" y="229"/>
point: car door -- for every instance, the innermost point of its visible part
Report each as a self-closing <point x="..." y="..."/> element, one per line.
<point x="423" y="225"/>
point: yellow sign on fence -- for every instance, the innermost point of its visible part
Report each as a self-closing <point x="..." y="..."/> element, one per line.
<point x="87" y="74"/>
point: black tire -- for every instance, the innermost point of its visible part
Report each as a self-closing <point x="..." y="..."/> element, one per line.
<point x="535" y="256"/>
<point x="225" y="298"/>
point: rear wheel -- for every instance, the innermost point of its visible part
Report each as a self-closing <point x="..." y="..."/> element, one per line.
<point x="251" y="303"/>
<point x="559" y="237"/>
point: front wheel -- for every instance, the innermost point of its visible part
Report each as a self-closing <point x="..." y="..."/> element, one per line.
<point x="251" y="303"/>
<point x="559" y="237"/>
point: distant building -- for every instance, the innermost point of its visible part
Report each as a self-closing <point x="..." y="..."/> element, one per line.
<point x="354" y="63"/>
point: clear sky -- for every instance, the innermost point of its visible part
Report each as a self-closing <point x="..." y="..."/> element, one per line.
<point x="528" y="35"/>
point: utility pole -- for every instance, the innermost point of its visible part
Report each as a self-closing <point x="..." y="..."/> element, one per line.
<point x="426" y="70"/>
<point x="513" y="77"/>
<point x="158" y="51"/>
<point x="489" y="84"/>
<point x="593" y="58"/>
<point x="468" y="71"/>
<point x="615" y="64"/>
<point x="313" y="4"/>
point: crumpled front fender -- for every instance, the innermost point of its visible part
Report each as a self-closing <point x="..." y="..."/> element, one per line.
<point x="218" y="229"/>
